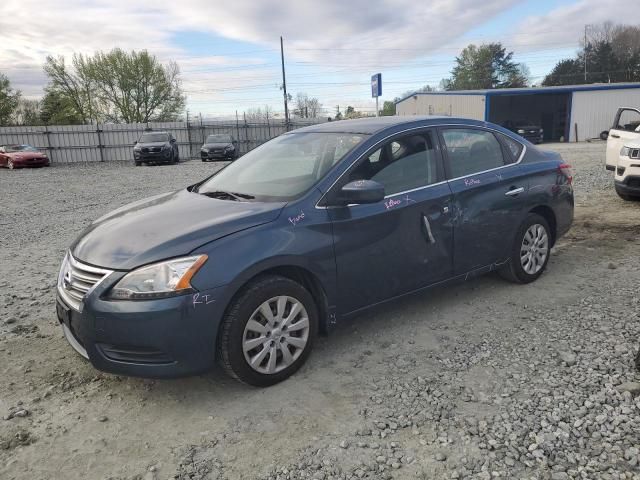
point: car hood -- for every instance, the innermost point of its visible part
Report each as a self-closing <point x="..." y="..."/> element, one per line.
<point x="527" y="127"/>
<point x="165" y="226"/>
<point x="24" y="155"/>
<point x="631" y="143"/>
<point x="217" y="145"/>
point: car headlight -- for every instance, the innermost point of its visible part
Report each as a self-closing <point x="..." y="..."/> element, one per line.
<point x="625" y="151"/>
<point x="204" y="150"/>
<point x="520" y="131"/>
<point x="137" y="149"/>
<point x="160" y="280"/>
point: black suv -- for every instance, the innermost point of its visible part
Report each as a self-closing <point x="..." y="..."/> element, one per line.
<point x="219" y="147"/>
<point x="156" y="147"/>
<point x="533" y="133"/>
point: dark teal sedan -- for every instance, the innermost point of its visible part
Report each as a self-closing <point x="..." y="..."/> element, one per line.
<point x="246" y="267"/>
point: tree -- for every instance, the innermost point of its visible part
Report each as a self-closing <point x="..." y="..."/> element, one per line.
<point x="388" y="108"/>
<point x="71" y="86"/>
<point x="486" y="67"/>
<point x="117" y="86"/>
<point x="27" y="112"/>
<point x="566" y="72"/>
<point x="135" y="85"/>
<point x="259" y="114"/>
<point x="307" y="107"/>
<point x="58" y="109"/>
<point x="9" y="99"/>
<point x="611" y="54"/>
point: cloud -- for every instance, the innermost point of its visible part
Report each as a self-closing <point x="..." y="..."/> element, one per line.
<point x="350" y="37"/>
<point x="565" y="25"/>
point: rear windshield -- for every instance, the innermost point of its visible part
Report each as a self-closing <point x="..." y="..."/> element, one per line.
<point x="153" y="138"/>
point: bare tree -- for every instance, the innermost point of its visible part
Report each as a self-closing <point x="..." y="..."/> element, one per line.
<point x="307" y="107"/>
<point x="259" y="114"/>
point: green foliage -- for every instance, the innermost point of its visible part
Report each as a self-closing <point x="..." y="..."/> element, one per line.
<point x="58" y="109"/>
<point x="612" y="55"/>
<point x="9" y="100"/>
<point x="115" y="86"/>
<point x="388" y="108"/>
<point x="485" y="67"/>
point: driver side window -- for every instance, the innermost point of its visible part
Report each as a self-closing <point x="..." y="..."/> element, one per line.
<point x="406" y="163"/>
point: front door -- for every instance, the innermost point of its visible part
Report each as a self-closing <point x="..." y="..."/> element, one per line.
<point x="404" y="242"/>
<point x="489" y="195"/>
<point x="626" y="127"/>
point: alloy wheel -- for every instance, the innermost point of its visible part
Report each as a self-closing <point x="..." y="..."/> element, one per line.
<point x="534" y="249"/>
<point x="275" y="335"/>
<point x="10" y="164"/>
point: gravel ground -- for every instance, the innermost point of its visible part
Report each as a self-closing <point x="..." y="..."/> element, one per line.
<point x="480" y="380"/>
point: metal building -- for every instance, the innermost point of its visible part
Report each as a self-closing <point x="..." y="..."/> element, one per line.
<point x="572" y="112"/>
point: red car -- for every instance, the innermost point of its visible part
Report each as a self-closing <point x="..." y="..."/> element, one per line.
<point x="18" y="156"/>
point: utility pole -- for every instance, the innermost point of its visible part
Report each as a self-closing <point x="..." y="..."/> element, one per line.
<point x="585" y="53"/>
<point x="284" y="87"/>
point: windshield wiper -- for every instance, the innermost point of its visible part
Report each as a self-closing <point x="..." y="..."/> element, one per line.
<point x="228" y="195"/>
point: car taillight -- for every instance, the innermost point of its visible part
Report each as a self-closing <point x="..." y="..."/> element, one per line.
<point x="567" y="172"/>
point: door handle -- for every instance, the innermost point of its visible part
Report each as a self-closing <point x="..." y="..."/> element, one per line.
<point x="514" y="192"/>
<point x="427" y="227"/>
<point x="615" y="135"/>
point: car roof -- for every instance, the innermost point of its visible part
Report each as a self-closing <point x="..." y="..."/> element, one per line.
<point x="371" y="125"/>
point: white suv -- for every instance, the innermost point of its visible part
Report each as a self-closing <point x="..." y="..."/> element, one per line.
<point x="623" y="153"/>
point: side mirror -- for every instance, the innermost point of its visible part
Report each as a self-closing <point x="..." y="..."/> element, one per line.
<point x="361" y="192"/>
<point x="234" y="142"/>
<point x="173" y="140"/>
<point x="135" y="143"/>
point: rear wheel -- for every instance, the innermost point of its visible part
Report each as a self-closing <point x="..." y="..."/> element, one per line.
<point x="530" y="251"/>
<point x="10" y="164"/>
<point x="268" y="331"/>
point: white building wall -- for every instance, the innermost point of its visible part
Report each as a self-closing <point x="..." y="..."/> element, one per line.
<point x="593" y="111"/>
<point x="466" y="106"/>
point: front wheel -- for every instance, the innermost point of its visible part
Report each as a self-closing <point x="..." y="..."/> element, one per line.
<point x="268" y="331"/>
<point x="530" y="252"/>
<point x="10" y="164"/>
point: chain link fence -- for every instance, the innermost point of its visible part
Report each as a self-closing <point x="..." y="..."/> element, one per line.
<point x="114" y="142"/>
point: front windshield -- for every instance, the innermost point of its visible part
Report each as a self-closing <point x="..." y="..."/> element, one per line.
<point x="218" y="139"/>
<point x="153" y="138"/>
<point x="283" y="168"/>
<point x="20" y="148"/>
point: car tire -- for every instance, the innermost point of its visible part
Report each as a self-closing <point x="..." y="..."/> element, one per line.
<point x="530" y="252"/>
<point x="138" y="164"/>
<point x="10" y="164"/>
<point x="247" y="334"/>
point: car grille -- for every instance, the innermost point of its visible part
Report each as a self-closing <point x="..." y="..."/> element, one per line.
<point x="216" y="150"/>
<point x="77" y="279"/>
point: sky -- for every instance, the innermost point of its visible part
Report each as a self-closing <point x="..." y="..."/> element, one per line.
<point x="229" y="51"/>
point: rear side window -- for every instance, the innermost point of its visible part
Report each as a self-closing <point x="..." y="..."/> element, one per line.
<point x="404" y="164"/>
<point x="471" y="151"/>
<point x="513" y="147"/>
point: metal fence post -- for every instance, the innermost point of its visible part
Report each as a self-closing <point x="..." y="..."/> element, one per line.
<point x="100" y="146"/>
<point x="49" y="149"/>
<point x="246" y="131"/>
<point x="189" y="137"/>
<point x="238" y="132"/>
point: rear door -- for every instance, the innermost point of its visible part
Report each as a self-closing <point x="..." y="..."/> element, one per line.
<point x="489" y="194"/>
<point x="626" y="126"/>
<point x="403" y="242"/>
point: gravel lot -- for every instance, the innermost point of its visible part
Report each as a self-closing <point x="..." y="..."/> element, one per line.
<point x="480" y="380"/>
